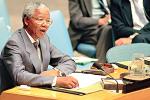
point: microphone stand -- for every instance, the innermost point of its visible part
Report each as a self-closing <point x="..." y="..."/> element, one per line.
<point x="98" y="66"/>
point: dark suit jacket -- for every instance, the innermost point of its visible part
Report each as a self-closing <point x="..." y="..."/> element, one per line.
<point x="20" y="56"/>
<point x="82" y="28"/>
<point x="122" y="22"/>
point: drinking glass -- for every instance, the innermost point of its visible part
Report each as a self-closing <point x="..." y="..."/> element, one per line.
<point x="136" y="67"/>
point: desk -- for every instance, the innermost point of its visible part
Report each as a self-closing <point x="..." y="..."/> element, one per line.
<point x="41" y="94"/>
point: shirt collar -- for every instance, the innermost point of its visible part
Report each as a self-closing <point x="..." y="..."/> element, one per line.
<point x="31" y="39"/>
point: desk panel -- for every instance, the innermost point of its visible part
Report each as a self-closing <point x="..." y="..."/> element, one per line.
<point x="42" y="94"/>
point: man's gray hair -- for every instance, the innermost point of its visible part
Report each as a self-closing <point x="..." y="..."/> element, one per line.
<point x="30" y="8"/>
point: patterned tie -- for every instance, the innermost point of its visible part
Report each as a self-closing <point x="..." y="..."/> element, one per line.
<point x="36" y="44"/>
<point x="37" y="47"/>
<point x="103" y="6"/>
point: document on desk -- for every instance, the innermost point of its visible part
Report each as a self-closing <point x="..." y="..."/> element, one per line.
<point x="86" y="79"/>
<point x="88" y="83"/>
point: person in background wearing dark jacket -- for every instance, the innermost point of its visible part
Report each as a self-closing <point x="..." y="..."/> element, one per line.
<point x="131" y="21"/>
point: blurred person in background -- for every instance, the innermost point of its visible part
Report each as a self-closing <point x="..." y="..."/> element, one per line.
<point x="131" y="21"/>
<point x="89" y="24"/>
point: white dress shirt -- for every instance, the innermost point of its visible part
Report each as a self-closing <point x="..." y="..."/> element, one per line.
<point x="138" y="14"/>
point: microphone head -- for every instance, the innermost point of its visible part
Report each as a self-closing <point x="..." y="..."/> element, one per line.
<point x="97" y="65"/>
<point x="106" y="67"/>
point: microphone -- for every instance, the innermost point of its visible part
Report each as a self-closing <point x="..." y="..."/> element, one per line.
<point x="99" y="66"/>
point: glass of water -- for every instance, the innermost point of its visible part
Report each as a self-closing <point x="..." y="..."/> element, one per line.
<point x="136" y="67"/>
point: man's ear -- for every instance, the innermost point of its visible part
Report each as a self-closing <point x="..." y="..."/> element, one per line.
<point x="26" y="21"/>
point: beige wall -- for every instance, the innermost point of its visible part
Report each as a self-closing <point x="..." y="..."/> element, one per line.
<point x="15" y="8"/>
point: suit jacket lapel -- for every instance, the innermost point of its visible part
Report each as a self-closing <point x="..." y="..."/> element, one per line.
<point x="126" y="9"/>
<point x="44" y="53"/>
<point x="88" y="5"/>
<point x="32" y="51"/>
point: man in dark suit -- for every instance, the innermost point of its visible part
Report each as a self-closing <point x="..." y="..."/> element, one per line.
<point x="89" y="23"/>
<point x="29" y="64"/>
<point x="131" y="21"/>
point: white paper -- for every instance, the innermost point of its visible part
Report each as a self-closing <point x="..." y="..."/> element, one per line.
<point x="86" y="79"/>
<point x="83" y="59"/>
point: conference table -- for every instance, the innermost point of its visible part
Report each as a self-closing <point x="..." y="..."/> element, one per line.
<point x="42" y="94"/>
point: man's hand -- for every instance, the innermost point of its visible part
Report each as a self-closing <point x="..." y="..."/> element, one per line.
<point x="50" y="73"/>
<point x="104" y="21"/>
<point x="123" y="41"/>
<point x="67" y="82"/>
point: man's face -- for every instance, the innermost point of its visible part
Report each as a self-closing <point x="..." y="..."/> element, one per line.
<point x="38" y="24"/>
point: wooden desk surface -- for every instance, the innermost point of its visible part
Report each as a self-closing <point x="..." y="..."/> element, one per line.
<point x="42" y="94"/>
